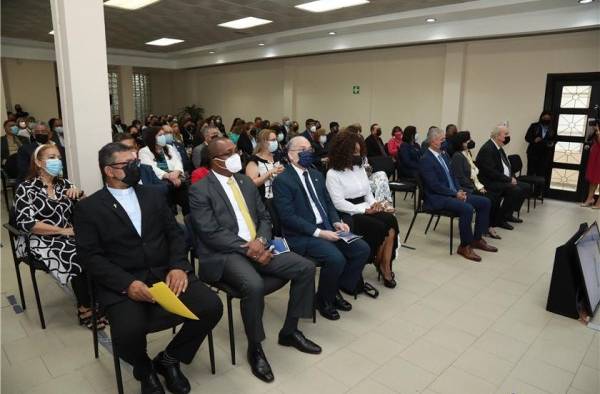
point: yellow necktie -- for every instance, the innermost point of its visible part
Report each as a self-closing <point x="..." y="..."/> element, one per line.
<point x="239" y="199"/>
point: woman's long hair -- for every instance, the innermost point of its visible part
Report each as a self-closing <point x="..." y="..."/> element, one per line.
<point x="150" y="141"/>
<point x="342" y="149"/>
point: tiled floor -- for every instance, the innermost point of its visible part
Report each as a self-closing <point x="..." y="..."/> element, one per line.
<point x="450" y="326"/>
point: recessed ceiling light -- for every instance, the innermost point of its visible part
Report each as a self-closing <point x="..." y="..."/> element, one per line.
<point x="329" y="5"/>
<point x="129" y="4"/>
<point x="332" y="33"/>
<point x="430" y="20"/>
<point x="585" y="1"/>
<point x="51" y="32"/>
<point x="211" y="52"/>
<point x="261" y="44"/>
<point x="163" y="42"/>
<point x="245" y="23"/>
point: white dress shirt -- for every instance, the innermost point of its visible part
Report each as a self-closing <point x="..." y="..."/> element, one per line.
<point x="349" y="184"/>
<point x="129" y="201"/>
<point x="243" y="230"/>
<point x="504" y="166"/>
<point x="174" y="163"/>
<point x="313" y="205"/>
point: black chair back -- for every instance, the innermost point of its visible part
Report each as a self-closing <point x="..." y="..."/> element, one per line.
<point x="382" y="163"/>
<point x="516" y="163"/>
<point x="420" y="192"/>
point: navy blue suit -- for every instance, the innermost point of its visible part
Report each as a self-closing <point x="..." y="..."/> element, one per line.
<point x="408" y="159"/>
<point x="440" y="194"/>
<point x="342" y="263"/>
<point x="149" y="178"/>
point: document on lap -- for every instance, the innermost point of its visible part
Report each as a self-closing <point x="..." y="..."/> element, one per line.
<point x="169" y="301"/>
<point x="348" y="237"/>
<point x="278" y="246"/>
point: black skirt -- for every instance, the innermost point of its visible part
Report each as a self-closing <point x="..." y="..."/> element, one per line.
<point x="374" y="228"/>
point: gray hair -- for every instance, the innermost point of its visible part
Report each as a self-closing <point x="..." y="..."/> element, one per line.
<point x="41" y="124"/>
<point x="295" y="141"/>
<point x="496" y="131"/>
<point x="433" y="132"/>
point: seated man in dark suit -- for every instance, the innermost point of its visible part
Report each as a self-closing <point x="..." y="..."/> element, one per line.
<point x="374" y="143"/>
<point x="234" y="228"/>
<point x="128" y="239"/>
<point x="496" y="175"/>
<point x="310" y="134"/>
<point x="41" y="135"/>
<point x="309" y="222"/>
<point x="442" y="192"/>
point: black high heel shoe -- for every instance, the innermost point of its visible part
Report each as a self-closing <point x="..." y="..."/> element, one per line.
<point x="391" y="283"/>
<point x="87" y="321"/>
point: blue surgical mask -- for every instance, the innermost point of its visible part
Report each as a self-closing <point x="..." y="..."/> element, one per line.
<point x="161" y="140"/>
<point x="273" y="145"/>
<point x="15" y="129"/>
<point x="169" y="138"/>
<point x="54" y="167"/>
<point x="306" y="158"/>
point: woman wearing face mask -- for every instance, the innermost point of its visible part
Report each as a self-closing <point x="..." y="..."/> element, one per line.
<point x="166" y="163"/>
<point x="264" y="166"/>
<point x="409" y="154"/>
<point x="20" y="129"/>
<point x="394" y="143"/>
<point x="465" y="170"/>
<point x="321" y="139"/>
<point x="173" y="138"/>
<point x="11" y="142"/>
<point x="541" y="137"/>
<point x="350" y="191"/>
<point x="58" y="134"/>
<point x="44" y="208"/>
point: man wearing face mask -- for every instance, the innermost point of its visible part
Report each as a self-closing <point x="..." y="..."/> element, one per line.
<point x="541" y="138"/>
<point x="117" y="125"/>
<point x="497" y="176"/>
<point x="58" y="134"/>
<point x="310" y="223"/>
<point x="287" y="128"/>
<point x="233" y="229"/>
<point x="374" y="143"/>
<point x="41" y="135"/>
<point x="311" y="135"/>
<point x="334" y="128"/>
<point x="128" y="239"/>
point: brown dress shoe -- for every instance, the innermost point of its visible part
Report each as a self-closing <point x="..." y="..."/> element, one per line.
<point x="468" y="253"/>
<point x="482" y="245"/>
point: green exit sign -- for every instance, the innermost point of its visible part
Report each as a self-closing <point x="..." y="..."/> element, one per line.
<point x="356" y="89"/>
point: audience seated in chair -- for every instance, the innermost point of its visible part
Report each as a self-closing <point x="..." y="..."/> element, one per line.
<point x="128" y="239"/>
<point x="309" y="222"/>
<point x="41" y="135"/>
<point x="409" y="154"/>
<point x="442" y="191"/>
<point x="496" y="175"/>
<point x="234" y="229"/>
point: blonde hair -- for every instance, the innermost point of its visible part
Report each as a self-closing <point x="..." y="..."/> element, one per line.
<point x="33" y="167"/>
<point x="262" y="138"/>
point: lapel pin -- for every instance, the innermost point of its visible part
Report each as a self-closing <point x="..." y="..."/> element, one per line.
<point x="114" y="205"/>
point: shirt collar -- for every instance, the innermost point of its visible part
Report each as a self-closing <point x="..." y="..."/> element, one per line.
<point x="300" y="171"/>
<point x="221" y="178"/>
<point x="436" y="154"/>
<point x="121" y="192"/>
<point x="497" y="146"/>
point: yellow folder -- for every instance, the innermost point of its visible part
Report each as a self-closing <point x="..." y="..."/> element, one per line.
<point x="168" y="300"/>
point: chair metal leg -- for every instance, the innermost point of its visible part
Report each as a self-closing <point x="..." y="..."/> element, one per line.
<point x="528" y="203"/>
<point x="37" y="297"/>
<point x="451" y="236"/>
<point x="211" y="353"/>
<point x="410" y="227"/>
<point x="231" y="335"/>
<point x="315" y="310"/>
<point x="405" y="195"/>
<point x="436" y="223"/>
<point x="394" y="198"/>
<point x="94" y="321"/>
<point x="20" y="284"/>
<point x="118" y="375"/>
<point x="428" y="224"/>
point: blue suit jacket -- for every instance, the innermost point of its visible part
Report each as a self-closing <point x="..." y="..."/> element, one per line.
<point x="149" y="178"/>
<point x="435" y="183"/>
<point x="291" y="201"/>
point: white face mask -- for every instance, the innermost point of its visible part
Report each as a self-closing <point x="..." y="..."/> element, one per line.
<point x="22" y="125"/>
<point x="313" y="129"/>
<point x="233" y="163"/>
<point x="323" y="139"/>
<point x="273" y="146"/>
<point x="280" y="137"/>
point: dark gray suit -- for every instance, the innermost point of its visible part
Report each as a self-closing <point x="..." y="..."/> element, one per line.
<point x="222" y="257"/>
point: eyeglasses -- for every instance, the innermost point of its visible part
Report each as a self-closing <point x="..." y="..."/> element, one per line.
<point x="123" y="164"/>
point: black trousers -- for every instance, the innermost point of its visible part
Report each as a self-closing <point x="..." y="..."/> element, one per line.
<point x="244" y="275"/>
<point x="81" y="290"/>
<point x="538" y="162"/>
<point x="512" y="197"/>
<point x="495" y="215"/>
<point x="130" y="321"/>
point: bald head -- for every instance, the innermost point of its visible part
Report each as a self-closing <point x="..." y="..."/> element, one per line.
<point x="295" y="146"/>
<point x="218" y="147"/>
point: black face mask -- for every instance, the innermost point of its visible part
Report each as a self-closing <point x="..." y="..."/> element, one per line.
<point x="378" y="132"/>
<point x="41" y="138"/>
<point x="546" y="122"/>
<point x="507" y="140"/>
<point x="470" y="144"/>
<point x="357" y="160"/>
<point x="132" y="173"/>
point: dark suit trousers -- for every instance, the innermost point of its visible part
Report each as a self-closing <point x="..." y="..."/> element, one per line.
<point x="512" y="197"/>
<point x="464" y="209"/>
<point x="342" y="263"/>
<point x="245" y="276"/>
<point x="130" y="321"/>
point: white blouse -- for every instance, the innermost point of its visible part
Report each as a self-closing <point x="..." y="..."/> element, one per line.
<point x="349" y="184"/>
<point x="174" y="163"/>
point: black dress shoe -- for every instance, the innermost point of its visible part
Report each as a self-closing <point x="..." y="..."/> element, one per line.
<point x="514" y="219"/>
<point x="151" y="384"/>
<point x="175" y="380"/>
<point x="259" y="364"/>
<point x="327" y="310"/>
<point x="341" y="304"/>
<point x="506" y="226"/>
<point x="300" y="342"/>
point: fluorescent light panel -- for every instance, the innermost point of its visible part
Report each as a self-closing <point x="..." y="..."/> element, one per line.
<point x="329" y="5"/>
<point x="129" y="4"/>
<point x="163" y="42"/>
<point x="245" y="23"/>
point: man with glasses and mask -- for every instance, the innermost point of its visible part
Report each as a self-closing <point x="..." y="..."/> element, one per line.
<point x="41" y="135"/>
<point x="128" y="239"/>
<point x="233" y="229"/>
<point x="310" y="224"/>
